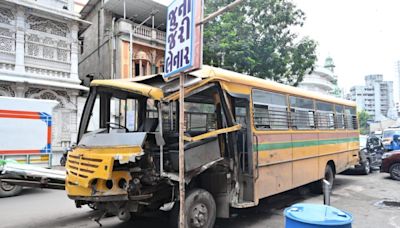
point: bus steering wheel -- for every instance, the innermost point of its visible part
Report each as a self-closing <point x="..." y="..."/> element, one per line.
<point x="116" y="124"/>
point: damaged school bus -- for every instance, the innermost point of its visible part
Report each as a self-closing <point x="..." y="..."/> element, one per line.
<point x="245" y="139"/>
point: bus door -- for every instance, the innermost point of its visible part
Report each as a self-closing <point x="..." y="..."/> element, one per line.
<point x="246" y="175"/>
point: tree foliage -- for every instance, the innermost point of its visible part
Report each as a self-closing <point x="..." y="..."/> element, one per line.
<point x="363" y="118"/>
<point x="256" y="38"/>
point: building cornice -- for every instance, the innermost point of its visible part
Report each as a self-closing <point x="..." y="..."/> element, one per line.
<point x="38" y="80"/>
<point x="56" y="12"/>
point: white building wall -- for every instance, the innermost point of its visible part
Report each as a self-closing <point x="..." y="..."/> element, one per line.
<point x="397" y="93"/>
<point x="321" y="80"/>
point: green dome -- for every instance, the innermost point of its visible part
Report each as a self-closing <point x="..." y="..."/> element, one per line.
<point x="329" y="64"/>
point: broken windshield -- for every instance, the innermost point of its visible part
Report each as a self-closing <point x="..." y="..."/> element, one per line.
<point x="115" y="111"/>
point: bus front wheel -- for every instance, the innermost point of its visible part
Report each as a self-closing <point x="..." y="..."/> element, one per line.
<point x="7" y="190"/>
<point x="200" y="210"/>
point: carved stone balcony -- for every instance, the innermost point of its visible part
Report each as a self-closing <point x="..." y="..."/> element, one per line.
<point x="142" y="32"/>
<point x="37" y="48"/>
<point x="47" y="55"/>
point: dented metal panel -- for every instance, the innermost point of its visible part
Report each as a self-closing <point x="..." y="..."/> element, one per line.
<point x="86" y="164"/>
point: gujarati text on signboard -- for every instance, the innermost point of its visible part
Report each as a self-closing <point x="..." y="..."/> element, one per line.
<point x="179" y="51"/>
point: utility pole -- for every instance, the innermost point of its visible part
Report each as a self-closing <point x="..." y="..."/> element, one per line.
<point x="181" y="151"/>
<point x="220" y="11"/>
<point x="182" y="118"/>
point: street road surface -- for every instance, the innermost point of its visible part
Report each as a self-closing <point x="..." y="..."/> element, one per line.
<point x="357" y="194"/>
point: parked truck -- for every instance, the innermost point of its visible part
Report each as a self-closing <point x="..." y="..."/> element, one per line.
<point x="25" y="134"/>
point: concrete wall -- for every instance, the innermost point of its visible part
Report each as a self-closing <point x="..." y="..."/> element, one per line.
<point x="97" y="46"/>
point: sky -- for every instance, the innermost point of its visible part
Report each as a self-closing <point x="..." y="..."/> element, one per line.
<point x="362" y="36"/>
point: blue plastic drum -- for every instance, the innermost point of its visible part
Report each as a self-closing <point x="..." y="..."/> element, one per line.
<point x="314" y="215"/>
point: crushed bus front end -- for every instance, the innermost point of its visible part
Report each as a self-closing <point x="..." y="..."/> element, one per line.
<point x="126" y="159"/>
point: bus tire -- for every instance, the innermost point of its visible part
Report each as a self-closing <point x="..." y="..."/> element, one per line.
<point x="329" y="175"/>
<point x="200" y="210"/>
<point x="8" y="190"/>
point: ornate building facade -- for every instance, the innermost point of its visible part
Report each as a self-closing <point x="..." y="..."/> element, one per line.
<point x="39" y="59"/>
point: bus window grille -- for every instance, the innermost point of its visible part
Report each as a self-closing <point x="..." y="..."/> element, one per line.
<point x="351" y="122"/>
<point x="339" y="123"/>
<point x="325" y="120"/>
<point x="302" y="119"/>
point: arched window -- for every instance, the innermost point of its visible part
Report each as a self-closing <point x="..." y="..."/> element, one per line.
<point x="141" y="64"/>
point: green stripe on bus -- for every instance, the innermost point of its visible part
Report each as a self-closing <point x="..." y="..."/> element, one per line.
<point x="285" y="145"/>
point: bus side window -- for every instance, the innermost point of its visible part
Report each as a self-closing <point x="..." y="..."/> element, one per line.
<point x="339" y="117"/>
<point x="200" y="117"/>
<point x="325" y="116"/>
<point x="302" y="113"/>
<point x="151" y="111"/>
<point x="240" y="116"/>
<point x="169" y="116"/>
<point x="351" y="118"/>
<point x="354" y="117"/>
<point x="270" y="110"/>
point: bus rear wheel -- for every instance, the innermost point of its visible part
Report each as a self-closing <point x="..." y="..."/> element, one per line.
<point x="7" y="190"/>
<point x="200" y="210"/>
<point x="329" y="175"/>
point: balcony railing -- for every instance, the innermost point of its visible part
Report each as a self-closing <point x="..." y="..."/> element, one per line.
<point x="43" y="46"/>
<point x="160" y="35"/>
<point x="142" y="30"/>
<point x="47" y="55"/>
<point x="148" y="34"/>
<point x="318" y="81"/>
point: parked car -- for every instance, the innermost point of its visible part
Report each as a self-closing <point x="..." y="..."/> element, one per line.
<point x="371" y="150"/>
<point x="391" y="164"/>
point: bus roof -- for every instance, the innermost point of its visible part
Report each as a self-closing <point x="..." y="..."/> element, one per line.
<point x="207" y="72"/>
<point x="133" y="87"/>
<point x="234" y="77"/>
